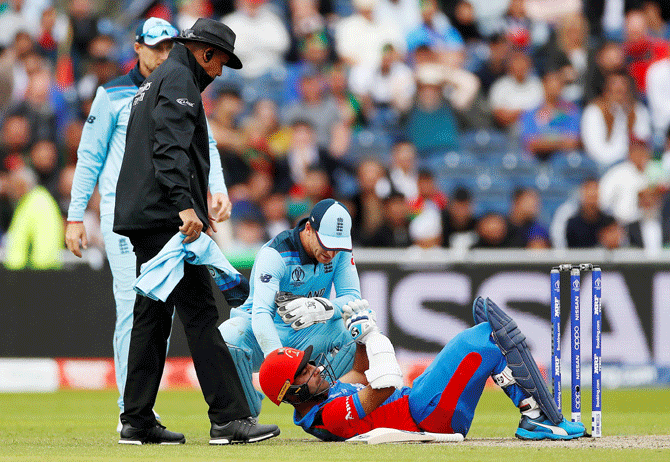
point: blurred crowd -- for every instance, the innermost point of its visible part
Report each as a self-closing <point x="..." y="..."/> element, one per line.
<point x="362" y="100"/>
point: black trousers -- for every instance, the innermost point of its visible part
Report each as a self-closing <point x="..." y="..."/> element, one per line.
<point x="152" y="322"/>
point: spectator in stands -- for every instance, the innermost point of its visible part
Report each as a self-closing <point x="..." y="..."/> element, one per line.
<point x="43" y="105"/>
<point x="314" y="52"/>
<point x="102" y="65"/>
<point x="17" y="64"/>
<point x="17" y="16"/>
<point x="406" y="14"/>
<point x="658" y="27"/>
<point x="525" y="228"/>
<point x="620" y="185"/>
<point x="263" y="130"/>
<point x="464" y="19"/>
<point x="611" y="234"/>
<point x="606" y="18"/>
<point x="610" y="120"/>
<point x="248" y="227"/>
<point x="349" y="33"/>
<point x="315" y="188"/>
<point x="458" y="220"/>
<point x="496" y="65"/>
<point x="46" y="164"/>
<point x="607" y="59"/>
<point x="306" y="21"/>
<point x="394" y="231"/>
<point x="524" y="33"/>
<point x="489" y="14"/>
<point x="35" y="236"/>
<point x="189" y="11"/>
<point x="568" y="52"/>
<point x="70" y="139"/>
<point x="84" y="24"/>
<point x="437" y="33"/>
<point x="303" y="154"/>
<point x="554" y="126"/>
<point x="582" y="229"/>
<point x="366" y="206"/>
<point x="52" y="32"/>
<point x="425" y="230"/>
<point x="262" y="38"/>
<point x="492" y="231"/>
<point x="386" y="92"/>
<point x="520" y="90"/>
<point x="403" y="170"/>
<point x="658" y="98"/>
<point x="647" y="232"/>
<point x="431" y="125"/>
<point x="429" y="194"/>
<point x="349" y="106"/>
<point x="460" y="88"/>
<point x="640" y="49"/>
<point x="275" y="213"/>
<point x="224" y="122"/>
<point x="15" y="141"/>
<point x="316" y="105"/>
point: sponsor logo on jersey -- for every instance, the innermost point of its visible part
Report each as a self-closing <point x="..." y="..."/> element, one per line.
<point x="328" y="267"/>
<point x="139" y="96"/>
<point x="90" y="119"/>
<point x="315" y="293"/>
<point x="185" y="102"/>
<point x="265" y="278"/>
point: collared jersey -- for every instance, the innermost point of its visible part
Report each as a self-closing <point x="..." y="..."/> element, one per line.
<point x="103" y="143"/>
<point x="341" y="416"/>
<point x="283" y="265"/>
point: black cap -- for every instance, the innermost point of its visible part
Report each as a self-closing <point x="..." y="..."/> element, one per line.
<point x="214" y="33"/>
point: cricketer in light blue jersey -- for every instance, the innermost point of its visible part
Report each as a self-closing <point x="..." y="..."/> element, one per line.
<point x="307" y="261"/>
<point x="99" y="158"/>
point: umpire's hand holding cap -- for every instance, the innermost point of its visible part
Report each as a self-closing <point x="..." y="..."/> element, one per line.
<point x="213" y="33"/>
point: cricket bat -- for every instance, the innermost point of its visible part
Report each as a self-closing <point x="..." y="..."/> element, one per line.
<point x="391" y="435"/>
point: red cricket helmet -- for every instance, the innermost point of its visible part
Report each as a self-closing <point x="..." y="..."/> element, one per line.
<point x="279" y="370"/>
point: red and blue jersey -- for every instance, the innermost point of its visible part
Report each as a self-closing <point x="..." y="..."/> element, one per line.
<point x="341" y="415"/>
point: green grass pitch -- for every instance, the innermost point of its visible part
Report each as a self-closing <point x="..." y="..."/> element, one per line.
<point x="80" y="426"/>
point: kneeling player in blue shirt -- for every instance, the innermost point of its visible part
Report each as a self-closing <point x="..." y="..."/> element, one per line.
<point x="306" y="262"/>
<point x="442" y="399"/>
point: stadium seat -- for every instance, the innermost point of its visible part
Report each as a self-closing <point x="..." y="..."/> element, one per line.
<point x="484" y="140"/>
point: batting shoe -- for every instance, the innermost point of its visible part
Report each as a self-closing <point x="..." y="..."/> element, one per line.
<point x="241" y="431"/>
<point x="542" y="428"/>
<point x="152" y="435"/>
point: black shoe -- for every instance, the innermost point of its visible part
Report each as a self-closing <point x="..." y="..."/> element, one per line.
<point x="152" y="435"/>
<point x="241" y="431"/>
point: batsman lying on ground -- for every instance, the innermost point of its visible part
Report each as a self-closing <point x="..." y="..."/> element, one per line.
<point x="443" y="398"/>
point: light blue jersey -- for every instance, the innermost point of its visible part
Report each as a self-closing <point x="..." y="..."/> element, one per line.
<point x="99" y="158"/>
<point x="255" y="329"/>
<point x="283" y="265"/>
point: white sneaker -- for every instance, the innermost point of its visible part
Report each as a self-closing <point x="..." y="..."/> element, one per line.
<point x="119" y="425"/>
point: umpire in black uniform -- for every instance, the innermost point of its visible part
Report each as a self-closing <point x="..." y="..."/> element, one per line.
<point x="162" y="189"/>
